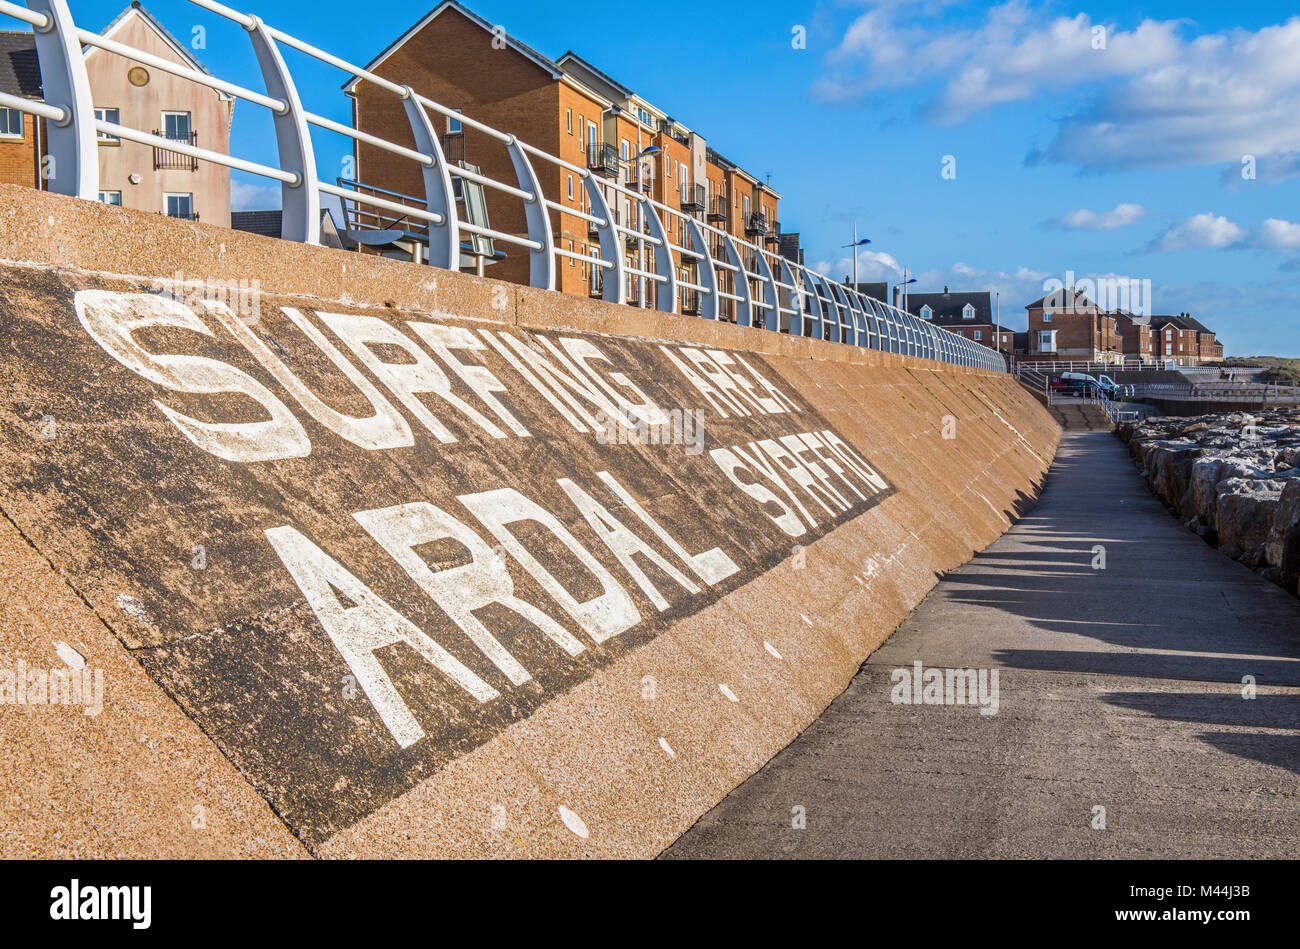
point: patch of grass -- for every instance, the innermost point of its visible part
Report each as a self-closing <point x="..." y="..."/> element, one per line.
<point x="1281" y="370"/>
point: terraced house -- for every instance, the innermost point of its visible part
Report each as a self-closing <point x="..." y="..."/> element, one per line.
<point x="570" y="108"/>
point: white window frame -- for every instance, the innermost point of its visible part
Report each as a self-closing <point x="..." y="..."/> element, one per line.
<point x="189" y="122"/>
<point x="1051" y="341"/>
<point x="103" y="198"/>
<point x="968" y="312"/>
<point x="116" y="118"/>
<point x="178" y="194"/>
<point x="1047" y="317"/>
<point x="568" y="121"/>
<point x="22" y="125"/>
<point x="979" y="334"/>
<point x="455" y="126"/>
<point x="570" y="187"/>
<point x="927" y="313"/>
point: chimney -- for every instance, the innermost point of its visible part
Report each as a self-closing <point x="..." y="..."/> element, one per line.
<point x="895" y="296"/>
<point x="945" y="290"/>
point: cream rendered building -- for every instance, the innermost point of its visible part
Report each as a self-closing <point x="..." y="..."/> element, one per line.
<point x="148" y="99"/>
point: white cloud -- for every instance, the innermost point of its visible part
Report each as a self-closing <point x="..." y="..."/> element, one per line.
<point x="1155" y="96"/>
<point x="1198" y="232"/>
<point x="1084" y="219"/>
<point x="250" y="197"/>
<point x="1276" y="234"/>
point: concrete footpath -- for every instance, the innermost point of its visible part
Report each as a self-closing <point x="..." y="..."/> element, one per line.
<point x="1121" y="728"/>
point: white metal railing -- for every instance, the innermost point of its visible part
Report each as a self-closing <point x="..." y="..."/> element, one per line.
<point x="743" y="280"/>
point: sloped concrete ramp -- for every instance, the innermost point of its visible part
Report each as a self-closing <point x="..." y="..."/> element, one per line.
<point x="377" y="560"/>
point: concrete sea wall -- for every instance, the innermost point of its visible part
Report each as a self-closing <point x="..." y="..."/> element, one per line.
<point x="379" y="560"/>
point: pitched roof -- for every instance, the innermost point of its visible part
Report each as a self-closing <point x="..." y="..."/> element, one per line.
<point x="267" y="223"/>
<point x="1061" y="299"/>
<point x="522" y="48"/>
<point x="610" y="81"/>
<point x="946" y="307"/>
<point x="20" y="71"/>
<point x="877" y="291"/>
<point x="179" y="48"/>
<point x="1181" y="321"/>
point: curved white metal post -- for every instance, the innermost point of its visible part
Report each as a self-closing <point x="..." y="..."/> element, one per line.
<point x="541" y="259"/>
<point x="794" y="298"/>
<point x="876" y="324"/>
<point x="848" y="332"/>
<point x="706" y="274"/>
<point x="816" y="308"/>
<point x="772" y="317"/>
<point x="71" y="144"/>
<point x="859" y="314"/>
<point x="444" y="237"/>
<point x="299" y="201"/>
<point x="744" y="306"/>
<point x="613" y="281"/>
<point x="666" y="291"/>
<point x="832" y="322"/>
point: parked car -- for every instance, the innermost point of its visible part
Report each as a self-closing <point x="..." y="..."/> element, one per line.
<point x="1082" y="383"/>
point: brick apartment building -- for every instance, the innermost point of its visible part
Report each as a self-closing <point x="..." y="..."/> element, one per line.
<point x="1066" y="325"/>
<point x="567" y="107"/>
<point x="1137" y="342"/>
<point x="21" y="135"/>
<point x="1184" y="340"/>
<point x="131" y="94"/>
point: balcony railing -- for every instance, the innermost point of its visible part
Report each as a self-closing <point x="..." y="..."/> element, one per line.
<point x="602" y="158"/>
<point x="773" y="235"/>
<point x="453" y="147"/>
<point x="694" y="198"/>
<point x="165" y="159"/>
<point x="756" y="224"/>
<point x="718" y="209"/>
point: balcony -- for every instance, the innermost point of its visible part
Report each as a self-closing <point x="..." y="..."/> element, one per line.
<point x="718" y="209"/>
<point x="773" y="235"/>
<point x="694" y="198"/>
<point x="166" y="160"/>
<point x="756" y="225"/>
<point x="602" y="159"/>
<point x="453" y="147"/>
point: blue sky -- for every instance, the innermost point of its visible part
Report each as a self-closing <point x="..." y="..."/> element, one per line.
<point x="1119" y="157"/>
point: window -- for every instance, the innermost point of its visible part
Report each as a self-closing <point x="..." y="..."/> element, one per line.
<point x="591" y="133"/>
<point x="454" y="125"/>
<point x="570" y="187"/>
<point x="926" y="312"/>
<point x="1047" y="341"/>
<point x="11" y="123"/>
<point x="1047" y="317"/>
<point x="968" y="313"/>
<point x="644" y="116"/>
<point x="178" y="205"/>
<point x="108" y="115"/>
<point x="568" y="121"/>
<point x="570" y="248"/>
<point x="979" y="334"/>
<point x="176" y="126"/>
<point x="111" y="197"/>
<point x="624" y="149"/>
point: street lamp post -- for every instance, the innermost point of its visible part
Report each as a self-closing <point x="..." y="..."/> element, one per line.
<point x="855" y="245"/>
